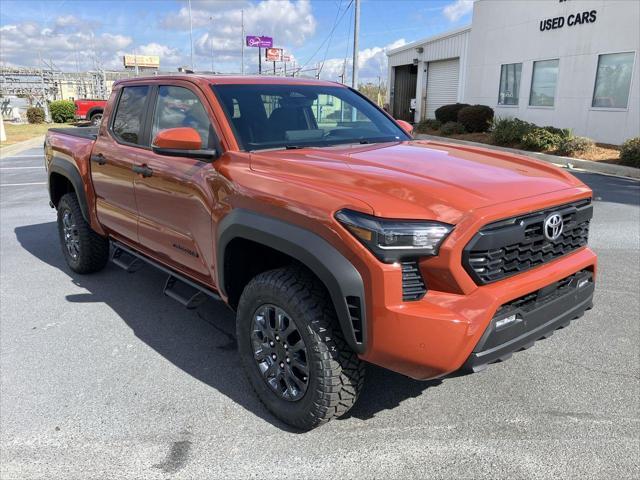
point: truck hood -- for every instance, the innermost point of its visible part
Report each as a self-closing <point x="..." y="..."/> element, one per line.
<point x="419" y="179"/>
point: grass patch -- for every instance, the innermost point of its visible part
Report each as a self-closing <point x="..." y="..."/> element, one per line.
<point x="25" y="131"/>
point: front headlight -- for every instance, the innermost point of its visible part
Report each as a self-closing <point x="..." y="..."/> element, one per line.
<point x="392" y="240"/>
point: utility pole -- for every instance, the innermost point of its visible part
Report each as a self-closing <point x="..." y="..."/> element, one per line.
<point x="191" y="34"/>
<point x="242" y="41"/>
<point x="211" y="35"/>
<point x="356" y="32"/>
<point x="45" y="105"/>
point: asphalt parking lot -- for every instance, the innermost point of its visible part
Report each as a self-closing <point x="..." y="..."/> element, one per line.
<point x="104" y="377"/>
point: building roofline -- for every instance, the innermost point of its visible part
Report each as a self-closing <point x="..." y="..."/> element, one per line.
<point x="426" y="40"/>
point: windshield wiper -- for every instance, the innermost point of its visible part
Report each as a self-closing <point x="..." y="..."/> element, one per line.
<point x="295" y="147"/>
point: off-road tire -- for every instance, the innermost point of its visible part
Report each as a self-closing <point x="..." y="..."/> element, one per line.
<point x="336" y="374"/>
<point x="93" y="252"/>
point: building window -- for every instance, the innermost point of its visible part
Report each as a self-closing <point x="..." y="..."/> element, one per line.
<point x="543" y="83"/>
<point x="613" y="79"/>
<point x="509" y="84"/>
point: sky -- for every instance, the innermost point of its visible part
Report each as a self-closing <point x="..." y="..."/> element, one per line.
<point x="85" y="34"/>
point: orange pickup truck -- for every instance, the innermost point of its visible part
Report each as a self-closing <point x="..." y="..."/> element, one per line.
<point x="336" y="237"/>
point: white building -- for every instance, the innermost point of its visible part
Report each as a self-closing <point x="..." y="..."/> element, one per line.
<point x="566" y="63"/>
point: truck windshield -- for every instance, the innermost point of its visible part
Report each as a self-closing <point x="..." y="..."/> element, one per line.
<point x="295" y="116"/>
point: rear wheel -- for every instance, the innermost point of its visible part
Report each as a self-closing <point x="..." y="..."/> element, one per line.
<point x="293" y="351"/>
<point x="96" y="118"/>
<point x="84" y="250"/>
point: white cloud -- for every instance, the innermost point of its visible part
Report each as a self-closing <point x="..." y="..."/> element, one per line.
<point x="458" y="9"/>
<point x="68" y="44"/>
<point x="372" y="63"/>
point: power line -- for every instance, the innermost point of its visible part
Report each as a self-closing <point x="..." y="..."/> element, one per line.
<point x="328" y="36"/>
<point x="326" y="50"/>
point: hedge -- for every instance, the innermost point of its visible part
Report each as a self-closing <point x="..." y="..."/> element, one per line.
<point x="35" y="115"/>
<point x="62" y="111"/>
<point x="449" y="113"/>
<point x="476" y="118"/>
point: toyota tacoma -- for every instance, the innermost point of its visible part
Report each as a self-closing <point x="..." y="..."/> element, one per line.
<point x="336" y="237"/>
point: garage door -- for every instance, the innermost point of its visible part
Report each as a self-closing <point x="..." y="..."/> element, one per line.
<point x="442" y="84"/>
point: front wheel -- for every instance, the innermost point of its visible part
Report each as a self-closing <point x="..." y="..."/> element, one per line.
<point x="293" y="351"/>
<point x="84" y="250"/>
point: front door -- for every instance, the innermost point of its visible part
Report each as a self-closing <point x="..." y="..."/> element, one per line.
<point x="175" y="201"/>
<point x="117" y="149"/>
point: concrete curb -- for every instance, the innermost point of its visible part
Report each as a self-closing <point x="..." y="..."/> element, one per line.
<point x="11" y="150"/>
<point x="566" y="162"/>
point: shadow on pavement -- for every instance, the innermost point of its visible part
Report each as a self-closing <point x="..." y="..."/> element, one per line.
<point x="202" y="342"/>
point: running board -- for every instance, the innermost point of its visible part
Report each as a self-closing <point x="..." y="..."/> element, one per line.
<point x="125" y="260"/>
<point x="187" y="292"/>
<point x="183" y="293"/>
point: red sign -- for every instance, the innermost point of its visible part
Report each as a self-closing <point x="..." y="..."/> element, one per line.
<point x="273" y="54"/>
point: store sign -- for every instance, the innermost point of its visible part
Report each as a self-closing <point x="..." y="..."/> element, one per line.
<point x="286" y="58"/>
<point x="273" y="54"/>
<point x="570" y="20"/>
<point x="142" y="61"/>
<point x="259" y="42"/>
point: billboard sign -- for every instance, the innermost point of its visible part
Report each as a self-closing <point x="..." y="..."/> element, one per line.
<point x="286" y="58"/>
<point x="261" y="42"/>
<point x="141" y="61"/>
<point x="273" y="54"/>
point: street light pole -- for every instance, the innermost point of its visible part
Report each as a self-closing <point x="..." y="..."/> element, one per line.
<point x="356" y="32"/>
<point x="191" y="34"/>
<point x="211" y="39"/>
<point x="242" y="41"/>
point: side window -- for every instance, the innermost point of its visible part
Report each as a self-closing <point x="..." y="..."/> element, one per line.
<point x="543" y="83"/>
<point x="509" y="84"/>
<point x="613" y="80"/>
<point x="127" y="124"/>
<point x="180" y="107"/>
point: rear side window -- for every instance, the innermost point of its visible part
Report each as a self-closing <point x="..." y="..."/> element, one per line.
<point x="180" y="107"/>
<point x="128" y="122"/>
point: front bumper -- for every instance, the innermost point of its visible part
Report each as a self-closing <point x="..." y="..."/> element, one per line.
<point x="444" y="332"/>
<point x="531" y="318"/>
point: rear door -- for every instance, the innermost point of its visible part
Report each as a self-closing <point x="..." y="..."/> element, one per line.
<point x="175" y="201"/>
<point x="120" y="144"/>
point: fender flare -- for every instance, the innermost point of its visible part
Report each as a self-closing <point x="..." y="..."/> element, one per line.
<point x="337" y="273"/>
<point x="71" y="173"/>
<point x="94" y="110"/>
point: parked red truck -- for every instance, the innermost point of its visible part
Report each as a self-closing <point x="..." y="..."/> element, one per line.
<point x="335" y="237"/>
<point x="91" y="110"/>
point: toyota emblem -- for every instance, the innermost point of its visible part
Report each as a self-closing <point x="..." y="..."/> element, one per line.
<point x="553" y="226"/>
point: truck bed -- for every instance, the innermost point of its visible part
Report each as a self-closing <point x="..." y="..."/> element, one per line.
<point x="90" y="133"/>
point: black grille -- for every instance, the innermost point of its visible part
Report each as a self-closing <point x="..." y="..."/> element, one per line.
<point x="512" y="246"/>
<point x="536" y="299"/>
<point x="413" y="287"/>
<point x="355" y="312"/>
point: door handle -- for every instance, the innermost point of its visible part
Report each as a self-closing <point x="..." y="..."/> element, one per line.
<point x="142" y="170"/>
<point x="99" y="159"/>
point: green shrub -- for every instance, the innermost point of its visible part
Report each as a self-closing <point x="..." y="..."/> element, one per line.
<point x="62" y="111"/>
<point x="35" y="115"/>
<point x="449" y="113"/>
<point x="563" y="132"/>
<point x="630" y="153"/>
<point x="476" y="118"/>
<point x="452" y="128"/>
<point x="510" y="131"/>
<point x="541" y="139"/>
<point x="429" y="124"/>
<point x="575" y="145"/>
